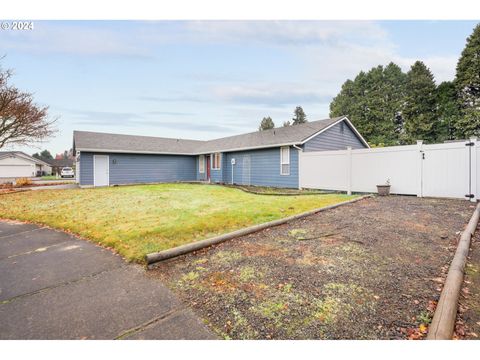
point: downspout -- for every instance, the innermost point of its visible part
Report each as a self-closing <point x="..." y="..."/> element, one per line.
<point x="300" y="150"/>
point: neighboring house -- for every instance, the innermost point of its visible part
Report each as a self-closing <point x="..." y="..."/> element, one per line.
<point x="58" y="164"/>
<point x="16" y="164"/>
<point x="262" y="158"/>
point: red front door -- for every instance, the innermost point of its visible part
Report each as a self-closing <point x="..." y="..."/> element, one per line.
<point x="208" y="168"/>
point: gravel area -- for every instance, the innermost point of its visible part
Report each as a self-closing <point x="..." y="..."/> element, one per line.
<point x="369" y="270"/>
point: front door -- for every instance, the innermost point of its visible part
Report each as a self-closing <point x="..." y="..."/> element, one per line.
<point x="101" y="170"/>
<point x="208" y="168"/>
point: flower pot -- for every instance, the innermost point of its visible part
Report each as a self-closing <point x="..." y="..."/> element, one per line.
<point x="383" y="190"/>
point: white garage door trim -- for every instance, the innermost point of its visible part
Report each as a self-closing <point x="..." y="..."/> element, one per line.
<point x="95" y="177"/>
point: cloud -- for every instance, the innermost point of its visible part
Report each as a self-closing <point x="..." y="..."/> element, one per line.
<point x="334" y="48"/>
<point x="282" y="32"/>
<point x="274" y="94"/>
<point x="147" y="119"/>
<point x="183" y="97"/>
<point x="75" y="38"/>
<point x="330" y="65"/>
<point x="86" y="117"/>
<point x="170" y="113"/>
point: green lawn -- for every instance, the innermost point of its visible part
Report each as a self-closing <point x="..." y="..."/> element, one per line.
<point x="136" y="220"/>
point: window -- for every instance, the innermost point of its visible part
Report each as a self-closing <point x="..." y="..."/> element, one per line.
<point x="216" y="161"/>
<point x="285" y="160"/>
<point x="201" y="164"/>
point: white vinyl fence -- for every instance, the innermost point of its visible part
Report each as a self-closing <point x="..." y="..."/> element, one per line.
<point x="437" y="170"/>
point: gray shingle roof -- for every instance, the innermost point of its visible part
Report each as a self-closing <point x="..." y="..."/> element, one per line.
<point x="93" y="141"/>
<point x="86" y="140"/>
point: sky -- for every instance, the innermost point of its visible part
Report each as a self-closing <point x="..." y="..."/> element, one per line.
<point x="208" y="79"/>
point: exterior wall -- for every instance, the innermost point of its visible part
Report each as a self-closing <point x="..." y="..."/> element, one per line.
<point x="143" y="168"/>
<point x="199" y="176"/>
<point x="140" y="168"/>
<point x="334" y="139"/>
<point x="86" y="169"/>
<point x="44" y="169"/>
<point x="13" y="167"/>
<point x="264" y="168"/>
<point x="217" y="176"/>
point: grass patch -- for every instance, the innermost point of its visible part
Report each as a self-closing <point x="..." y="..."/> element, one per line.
<point x="136" y="220"/>
<point x="50" y="177"/>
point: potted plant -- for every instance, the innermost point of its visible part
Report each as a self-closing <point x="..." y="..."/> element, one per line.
<point x="384" y="190"/>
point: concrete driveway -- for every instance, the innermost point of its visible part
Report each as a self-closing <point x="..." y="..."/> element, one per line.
<point x="56" y="286"/>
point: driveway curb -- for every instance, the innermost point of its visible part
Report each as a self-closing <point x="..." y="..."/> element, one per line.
<point x="443" y="322"/>
<point x="156" y="257"/>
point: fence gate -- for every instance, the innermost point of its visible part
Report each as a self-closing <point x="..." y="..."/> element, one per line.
<point x="449" y="170"/>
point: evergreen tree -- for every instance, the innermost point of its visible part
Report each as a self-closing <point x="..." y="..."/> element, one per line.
<point x="299" y="116"/>
<point x="394" y="97"/>
<point x="266" y="124"/>
<point x="373" y="102"/>
<point x="467" y="82"/>
<point x="448" y="111"/>
<point x="44" y="155"/>
<point x="286" y="123"/>
<point x="420" y="105"/>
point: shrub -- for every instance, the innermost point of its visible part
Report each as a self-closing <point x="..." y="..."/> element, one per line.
<point x="23" y="182"/>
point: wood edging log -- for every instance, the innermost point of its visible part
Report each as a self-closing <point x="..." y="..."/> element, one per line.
<point x="156" y="257"/>
<point x="443" y="323"/>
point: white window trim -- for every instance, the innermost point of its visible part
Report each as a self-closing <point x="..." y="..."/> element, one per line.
<point x="201" y="164"/>
<point x="282" y="162"/>
<point x="219" y="161"/>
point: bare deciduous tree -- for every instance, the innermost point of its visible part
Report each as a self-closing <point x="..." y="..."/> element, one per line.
<point x="22" y="122"/>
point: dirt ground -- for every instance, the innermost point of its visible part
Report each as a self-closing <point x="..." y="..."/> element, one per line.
<point x="468" y="324"/>
<point x="369" y="270"/>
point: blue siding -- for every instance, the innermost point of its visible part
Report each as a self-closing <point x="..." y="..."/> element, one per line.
<point x="200" y="177"/>
<point x="86" y="168"/>
<point x="141" y="168"/>
<point x="217" y="175"/>
<point x="335" y="138"/>
<point x="264" y="168"/>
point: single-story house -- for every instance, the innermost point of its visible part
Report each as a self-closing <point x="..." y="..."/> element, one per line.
<point x="262" y="158"/>
<point x="17" y="164"/>
<point x="58" y="164"/>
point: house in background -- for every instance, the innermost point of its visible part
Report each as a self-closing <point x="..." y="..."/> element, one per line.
<point x="17" y="164"/>
<point x="58" y="164"/>
<point x="261" y="158"/>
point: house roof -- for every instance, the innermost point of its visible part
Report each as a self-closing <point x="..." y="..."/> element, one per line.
<point x="4" y="154"/>
<point x="61" y="162"/>
<point x="94" y="141"/>
<point x="290" y="135"/>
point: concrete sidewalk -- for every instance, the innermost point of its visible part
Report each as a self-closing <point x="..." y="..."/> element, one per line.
<point x="56" y="286"/>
